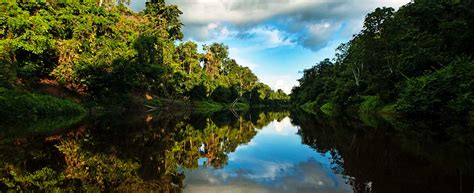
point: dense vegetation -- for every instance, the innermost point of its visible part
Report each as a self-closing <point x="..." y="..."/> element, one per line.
<point x="101" y="50"/>
<point x="418" y="59"/>
<point x="18" y="103"/>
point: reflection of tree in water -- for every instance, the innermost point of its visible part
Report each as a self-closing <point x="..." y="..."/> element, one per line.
<point x="408" y="157"/>
<point x="125" y="153"/>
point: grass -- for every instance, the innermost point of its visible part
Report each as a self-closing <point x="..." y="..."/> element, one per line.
<point x="21" y="104"/>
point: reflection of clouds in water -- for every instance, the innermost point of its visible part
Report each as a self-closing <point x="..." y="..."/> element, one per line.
<point x="269" y="171"/>
<point x="245" y="146"/>
<point x="308" y="176"/>
<point x="284" y="127"/>
<point x="273" y="161"/>
<point x="257" y="169"/>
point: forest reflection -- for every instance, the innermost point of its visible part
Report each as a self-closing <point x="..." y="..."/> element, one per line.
<point x="384" y="154"/>
<point x="125" y="152"/>
<point x="152" y="152"/>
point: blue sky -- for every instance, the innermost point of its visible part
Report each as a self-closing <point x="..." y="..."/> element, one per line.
<point x="277" y="39"/>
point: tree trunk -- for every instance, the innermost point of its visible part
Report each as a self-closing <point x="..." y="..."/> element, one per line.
<point x="356" y="76"/>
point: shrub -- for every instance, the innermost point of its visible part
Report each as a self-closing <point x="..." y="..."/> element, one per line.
<point x="446" y="90"/>
<point x="370" y="104"/>
<point x="328" y="108"/>
<point x="22" y="104"/>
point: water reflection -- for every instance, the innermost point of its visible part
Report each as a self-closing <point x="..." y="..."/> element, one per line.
<point x="131" y="152"/>
<point x="252" y="152"/>
<point x="396" y="155"/>
<point x="273" y="161"/>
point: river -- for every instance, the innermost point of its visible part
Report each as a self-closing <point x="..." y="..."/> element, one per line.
<point x="257" y="151"/>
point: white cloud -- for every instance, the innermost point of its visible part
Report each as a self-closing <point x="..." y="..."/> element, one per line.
<point x="269" y="37"/>
<point x="319" y="34"/>
<point x="307" y="176"/>
<point x="314" y="21"/>
<point x="284" y="128"/>
<point x="270" y="170"/>
<point x="284" y="82"/>
<point x="214" y="30"/>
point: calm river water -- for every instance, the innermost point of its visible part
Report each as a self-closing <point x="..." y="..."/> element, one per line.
<point x="258" y="151"/>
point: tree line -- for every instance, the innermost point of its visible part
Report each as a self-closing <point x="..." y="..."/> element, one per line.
<point x="414" y="60"/>
<point x="98" y="49"/>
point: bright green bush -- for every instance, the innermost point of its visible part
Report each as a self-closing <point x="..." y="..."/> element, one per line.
<point x="309" y="107"/>
<point x="22" y="104"/>
<point x="392" y="108"/>
<point x="328" y="108"/>
<point x="44" y="179"/>
<point x="370" y="104"/>
<point x="241" y="106"/>
<point x="207" y="106"/>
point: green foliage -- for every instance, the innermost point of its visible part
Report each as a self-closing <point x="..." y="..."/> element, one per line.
<point x="22" y="104"/>
<point x="43" y="179"/>
<point x="328" y="109"/>
<point x="310" y="107"/>
<point x="207" y="107"/>
<point x="391" y="108"/>
<point x="15" y="127"/>
<point x="105" y="52"/>
<point x="224" y="95"/>
<point x="241" y="107"/>
<point x="7" y="75"/>
<point x="155" y="103"/>
<point x="370" y="104"/>
<point x="409" y="58"/>
<point x="446" y="90"/>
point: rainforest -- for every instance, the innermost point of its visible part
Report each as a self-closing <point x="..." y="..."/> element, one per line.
<point x="212" y="96"/>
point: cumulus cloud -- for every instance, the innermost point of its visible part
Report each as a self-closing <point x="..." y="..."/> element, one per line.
<point x="213" y="30"/>
<point x="308" y="23"/>
<point x="284" y="128"/>
<point x="266" y="37"/>
<point x="284" y="82"/>
<point x="307" y="176"/>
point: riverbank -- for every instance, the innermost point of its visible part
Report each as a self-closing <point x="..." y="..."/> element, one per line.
<point x="25" y="105"/>
<point x="201" y="106"/>
<point x="20" y="104"/>
<point x="367" y="105"/>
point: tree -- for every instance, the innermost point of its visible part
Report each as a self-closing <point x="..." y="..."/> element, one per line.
<point x="216" y="55"/>
<point x="187" y="55"/>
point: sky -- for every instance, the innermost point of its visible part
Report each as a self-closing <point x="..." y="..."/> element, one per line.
<point x="276" y="39"/>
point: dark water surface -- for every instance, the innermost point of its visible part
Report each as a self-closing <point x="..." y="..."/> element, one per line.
<point x="237" y="152"/>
